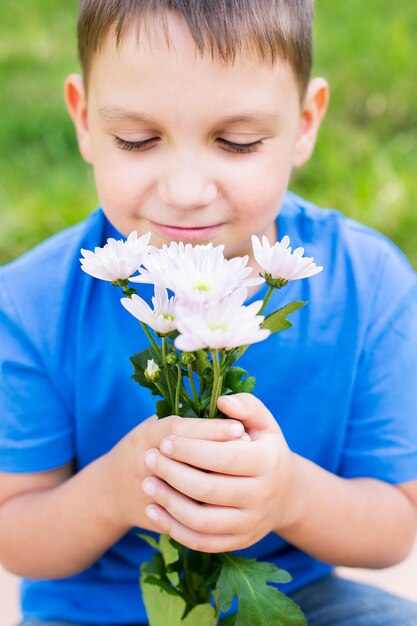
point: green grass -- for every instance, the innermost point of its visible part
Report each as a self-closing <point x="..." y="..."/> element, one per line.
<point x="365" y="163"/>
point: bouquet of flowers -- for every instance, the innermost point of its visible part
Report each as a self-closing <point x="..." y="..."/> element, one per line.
<point x="196" y="335"/>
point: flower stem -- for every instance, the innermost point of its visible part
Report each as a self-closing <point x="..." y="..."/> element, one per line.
<point x="129" y="292"/>
<point x="192" y="385"/>
<point x="206" y="562"/>
<point x="158" y="386"/>
<point x="187" y="582"/>
<point x="166" y="369"/>
<point x="266" y="300"/>
<point x="185" y="397"/>
<point x="217" y="384"/>
<point x="177" y="390"/>
<point x="124" y="284"/>
<point x="151" y="339"/>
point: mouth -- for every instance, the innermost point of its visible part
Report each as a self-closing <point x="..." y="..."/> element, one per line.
<point x="195" y="233"/>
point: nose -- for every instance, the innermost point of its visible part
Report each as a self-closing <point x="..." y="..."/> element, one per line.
<point x="187" y="186"/>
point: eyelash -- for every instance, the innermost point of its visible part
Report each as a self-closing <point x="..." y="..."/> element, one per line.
<point x="140" y="145"/>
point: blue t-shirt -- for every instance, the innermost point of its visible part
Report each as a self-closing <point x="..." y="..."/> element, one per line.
<point x="341" y="382"/>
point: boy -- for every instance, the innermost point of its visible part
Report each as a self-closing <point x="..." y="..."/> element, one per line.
<point x="193" y="116"/>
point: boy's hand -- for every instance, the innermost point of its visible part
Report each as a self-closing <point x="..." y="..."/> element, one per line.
<point x="217" y="496"/>
<point x="126" y="469"/>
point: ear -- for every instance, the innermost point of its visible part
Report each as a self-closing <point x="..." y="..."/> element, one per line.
<point x="75" y="98"/>
<point x="312" y="112"/>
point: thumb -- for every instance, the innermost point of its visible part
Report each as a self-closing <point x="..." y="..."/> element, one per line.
<point x="251" y="412"/>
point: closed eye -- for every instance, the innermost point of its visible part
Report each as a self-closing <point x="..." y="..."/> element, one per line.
<point x="135" y="145"/>
<point x="241" y="147"/>
<point x="231" y="146"/>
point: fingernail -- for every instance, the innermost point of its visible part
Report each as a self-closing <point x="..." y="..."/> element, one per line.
<point x="233" y="400"/>
<point x="152" y="513"/>
<point x="166" y="446"/>
<point x="236" y="430"/>
<point x="150" y="459"/>
<point x="149" y="487"/>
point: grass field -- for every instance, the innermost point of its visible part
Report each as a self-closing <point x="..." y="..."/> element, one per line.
<point x="365" y="162"/>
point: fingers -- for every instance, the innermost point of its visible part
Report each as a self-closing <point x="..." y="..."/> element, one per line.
<point x="199" y="485"/>
<point x="194" y="515"/>
<point x="195" y="428"/>
<point x="249" y="410"/>
<point x="236" y="458"/>
<point x="191" y="538"/>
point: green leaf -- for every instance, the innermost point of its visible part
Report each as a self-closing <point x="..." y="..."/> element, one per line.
<point x="140" y="359"/>
<point x="229" y="620"/>
<point x="208" y="565"/>
<point x="248" y="385"/>
<point x="186" y="411"/>
<point x="149" y="540"/>
<point x="155" y="567"/>
<point x="234" y="375"/>
<point x="171" y="554"/>
<point x="205" y="399"/>
<point x="165" y="609"/>
<point x="202" y="362"/>
<point x="162" y="584"/>
<point x="259" y="602"/>
<point x="277" y="321"/>
<point x="168" y="553"/>
<point x="234" y="383"/>
<point x="140" y="363"/>
<point x="232" y="357"/>
<point x="163" y="408"/>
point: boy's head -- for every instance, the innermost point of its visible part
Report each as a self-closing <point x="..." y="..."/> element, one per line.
<point x="269" y="30"/>
<point x="194" y="112"/>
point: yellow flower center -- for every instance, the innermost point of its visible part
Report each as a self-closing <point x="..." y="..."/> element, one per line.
<point x="221" y="327"/>
<point x="201" y="287"/>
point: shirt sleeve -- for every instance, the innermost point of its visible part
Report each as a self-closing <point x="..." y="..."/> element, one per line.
<point x="36" y="428"/>
<point x="381" y="439"/>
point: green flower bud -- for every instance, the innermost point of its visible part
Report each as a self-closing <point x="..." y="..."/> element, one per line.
<point x="120" y="282"/>
<point x="153" y="371"/>
<point x="187" y="358"/>
<point x="172" y="358"/>
<point x="276" y="283"/>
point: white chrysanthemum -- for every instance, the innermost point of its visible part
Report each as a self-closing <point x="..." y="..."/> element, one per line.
<point x="117" y="260"/>
<point x="161" y="318"/>
<point x="280" y="263"/>
<point x="195" y="273"/>
<point x="220" y="324"/>
<point x="153" y="371"/>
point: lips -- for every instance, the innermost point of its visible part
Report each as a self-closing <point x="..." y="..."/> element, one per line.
<point x="196" y="233"/>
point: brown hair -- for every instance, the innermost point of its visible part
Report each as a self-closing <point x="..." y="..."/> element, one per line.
<point x="270" y="29"/>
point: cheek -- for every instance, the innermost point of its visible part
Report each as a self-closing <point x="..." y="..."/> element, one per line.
<point x="259" y="188"/>
<point x="119" y="182"/>
<point x="120" y="178"/>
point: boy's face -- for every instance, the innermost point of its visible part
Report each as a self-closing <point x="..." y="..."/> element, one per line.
<point x="165" y="130"/>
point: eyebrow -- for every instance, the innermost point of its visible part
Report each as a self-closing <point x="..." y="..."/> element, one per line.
<point x="116" y="114"/>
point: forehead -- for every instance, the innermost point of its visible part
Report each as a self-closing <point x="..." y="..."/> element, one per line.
<point x="152" y="70"/>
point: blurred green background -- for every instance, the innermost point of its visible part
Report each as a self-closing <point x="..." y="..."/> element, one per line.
<point x="365" y="163"/>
